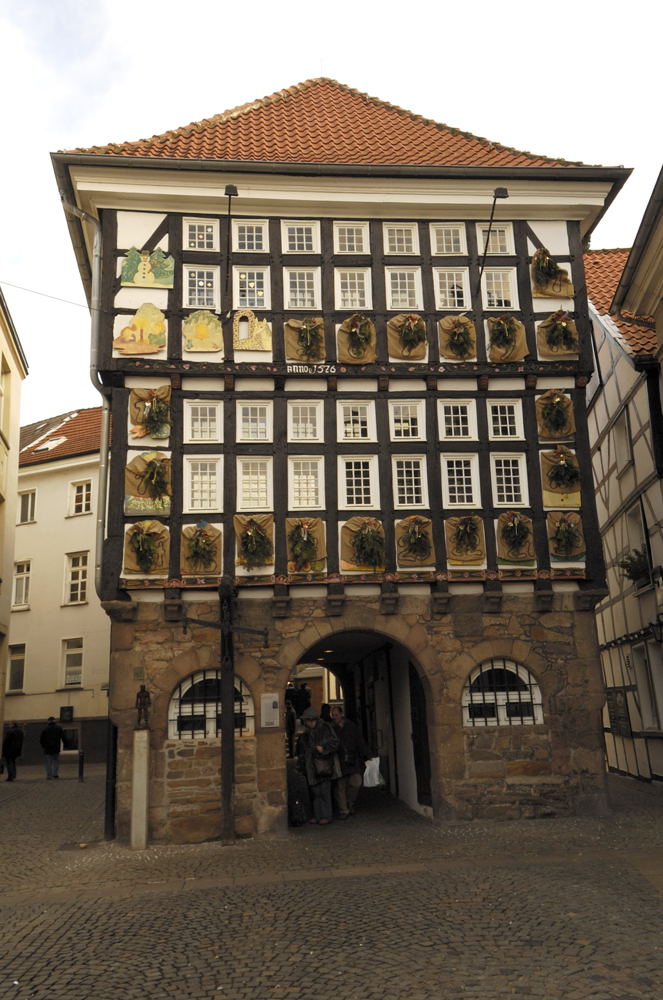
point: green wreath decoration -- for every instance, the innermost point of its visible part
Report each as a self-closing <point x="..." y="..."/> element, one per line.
<point x="460" y="340"/>
<point x="201" y="547"/>
<point x="359" y="335"/>
<point x="503" y="331"/>
<point x="515" y="531"/>
<point x="154" y="481"/>
<point x="412" y="333"/>
<point x="156" y="415"/>
<point x="310" y="339"/>
<point x="554" y="412"/>
<point x="255" y="546"/>
<point x="565" y="473"/>
<point x="144" y="546"/>
<point x="414" y="541"/>
<point x="368" y="546"/>
<point x="544" y="268"/>
<point x="466" y="534"/>
<point x="565" y="537"/>
<point x="303" y="545"/>
<point x="560" y="335"/>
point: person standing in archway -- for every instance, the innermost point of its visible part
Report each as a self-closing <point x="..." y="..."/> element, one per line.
<point x="316" y="749"/>
<point x="353" y="754"/>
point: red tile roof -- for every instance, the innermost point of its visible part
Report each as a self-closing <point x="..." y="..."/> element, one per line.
<point x="322" y="121"/>
<point x="603" y="269"/>
<point x="80" y="429"/>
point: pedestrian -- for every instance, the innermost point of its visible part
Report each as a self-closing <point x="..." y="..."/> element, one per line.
<point x="305" y="696"/>
<point x="325" y="712"/>
<point x="317" y="748"/>
<point x="12" y="745"/>
<point x="51" y="743"/>
<point x="353" y="754"/>
<point x="290" y="727"/>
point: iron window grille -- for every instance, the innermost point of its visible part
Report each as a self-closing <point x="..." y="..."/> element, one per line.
<point x="194" y="712"/>
<point x="500" y="692"/>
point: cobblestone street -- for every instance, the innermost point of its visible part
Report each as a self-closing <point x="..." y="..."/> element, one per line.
<point x="384" y="907"/>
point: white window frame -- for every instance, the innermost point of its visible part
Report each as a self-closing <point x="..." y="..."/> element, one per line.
<point x="473" y="459"/>
<point x="418" y="404"/>
<point x="16" y="654"/>
<point x="374" y="499"/>
<point x="76" y="577"/>
<point x="30" y="498"/>
<point x="267" y="405"/>
<point x="420" y="460"/>
<point x="86" y="504"/>
<point x="364" y="272"/>
<point x="216" y="502"/>
<point x="189" y="407"/>
<point x="389" y="272"/>
<point x="212" y="224"/>
<point x="371" y="426"/>
<point x="316" y="406"/>
<point x="501" y="699"/>
<point x="287" y="224"/>
<point x="510" y="272"/>
<point x="443" y="306"/>
<point x="258" y="223"/>
<point x="460" y="226"/>
<point x="21" y="583"/>
<point x="519" y="459"/>
<point x="244" y="501"/>
<point x="74" y="651"/>
<point x="518" y="419"/>
<point x="410" y="227"/>
<point x="482" y="229"/>
<point x="213" y="301"/>
<point x="317" y="462"/>
<point x="363" y="226"/>
<point x="315" y="271"/>
<point x="238" y="272"/>
<point x="208" y="709"/>
<point x="471" y="412"/>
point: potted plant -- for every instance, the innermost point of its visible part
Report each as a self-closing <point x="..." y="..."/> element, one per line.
<point x="635" y="566"/>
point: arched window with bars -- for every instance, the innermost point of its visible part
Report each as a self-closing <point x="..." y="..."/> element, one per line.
<point x="194" y="712"/>
<point x="501" y="692"/>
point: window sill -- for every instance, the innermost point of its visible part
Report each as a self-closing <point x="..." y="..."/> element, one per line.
<point x="19" y="523"/>
<point x="69" y="687"/>
<point x="20" y="607"/>
<point x="83" y="513"/>
<point x="14" y="694"/>
<point x="74" y="604"/>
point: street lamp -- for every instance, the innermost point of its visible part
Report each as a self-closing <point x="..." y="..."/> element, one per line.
<point x="498" y="193"/>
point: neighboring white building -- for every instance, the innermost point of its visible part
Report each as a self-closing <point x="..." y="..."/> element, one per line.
<point x="59" y="637"/>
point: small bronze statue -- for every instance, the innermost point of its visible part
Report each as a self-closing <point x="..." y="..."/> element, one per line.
<point x="143" y="703"/>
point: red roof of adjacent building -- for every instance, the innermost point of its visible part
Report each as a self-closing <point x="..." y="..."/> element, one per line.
<point x="603" y="269"/>
<point x="323" y="121"/>
<point x="75" y="433"/>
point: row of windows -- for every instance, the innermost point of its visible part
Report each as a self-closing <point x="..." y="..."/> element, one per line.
<point x="71" y="664"/>
<point x="301" y="236"/>
<point x="353" y="288"/>
<point x="75" y="580"/>
<point x="79" y="502"/>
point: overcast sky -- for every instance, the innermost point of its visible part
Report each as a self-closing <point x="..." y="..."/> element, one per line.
<point x="565" y="80"/>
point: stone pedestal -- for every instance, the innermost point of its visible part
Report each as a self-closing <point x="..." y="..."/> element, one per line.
<point x="140" y="789"/>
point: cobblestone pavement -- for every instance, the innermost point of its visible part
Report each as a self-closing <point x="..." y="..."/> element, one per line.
<point x="384" y="907"/>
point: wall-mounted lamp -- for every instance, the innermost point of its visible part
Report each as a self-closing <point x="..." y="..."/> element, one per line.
<point x="498" y="194"/>
<point x="230" y="193"/>
<point x="656" y="628"/>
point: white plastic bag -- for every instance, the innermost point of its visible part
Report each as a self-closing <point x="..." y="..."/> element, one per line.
<point x="372" y="778"/>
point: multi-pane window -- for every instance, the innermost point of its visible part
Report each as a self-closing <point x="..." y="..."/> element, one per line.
<point x="502" y="693"/>
<point x="509" y="480"/>
<point x="356" y="421"/>
<point x="409" y="481"/>
<point x="500" y="238"/>
<point x="451" y="288"/>
<point x="499" y="290"/>
<point x="304" y="421"/>
<point x="16" y="667"/>
<point x="21" y="595"/>
<point x="460" y="487"/>
<point x="251" y="287"/>
<point x="406" y="420"/>
<point x="202" y="421"/>
<point x="505" y="419"/>
<point x="300" y="237"/>
<point x="194" y="712"/>
<point x="400" y="238"/>
<point x="301" y="288"/>
<point x="250" y="236"/>
<point x="76" y="584"/>
<point x="351" y="237"/>
<point x="201" y="234"/>
<point x="305" y="483"/>
<point x="403" y="288"/>
<point x="202" y="483"/>
<point x="81" y="497"/>
<point x="201" y="287"/>
<point x="254" y="483"/>
<point x="254" y="421"/>
<point x="457" y="419"/>
<point x="353" y="288"/>
<point x="26" y="506"/>
<point x="357" y="482"/>
<point x="448" y="239"/>
<point x="72" y="661"/>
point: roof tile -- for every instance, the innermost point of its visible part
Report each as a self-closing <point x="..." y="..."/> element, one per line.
<point x="81" y="430"/>
<point x="603" y="269"/>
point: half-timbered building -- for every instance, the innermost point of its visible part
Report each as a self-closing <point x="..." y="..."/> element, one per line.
<point x="345" y="349"/>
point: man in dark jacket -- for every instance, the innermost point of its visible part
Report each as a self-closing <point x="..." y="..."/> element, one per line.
<point x="12" y="745"/>
<point x="353" y="754"/>
<point x="316" y="750"/>
<point x="51" y="742"/>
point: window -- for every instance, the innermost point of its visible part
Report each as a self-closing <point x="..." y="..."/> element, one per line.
<point x="301" y="288"/>
<point x="304" y="421"/>
<point x="21" y="596"/>
<point x="448" y="239"/>
<point x="499" y="241"/>
<point x="352" y="288"/>
<point x="254" y="421"/>
<point x="81" y="497"/>
<point x="201" y="288"/>
<point x="305" y="483"/>
<point x="5" y="396"/>
<point x="203" y="483"/>
<point x="194" y="712"/>
<point x="351" y="237"/>
<point x="499" y="288"/>
<point x="201" y="234"/>
<point x="16" y="672"/>
<point x="509" y="480"/>
<point x="457" y="419"/>
<point x="409" y="477"/>
<point x="404" y="288"/>
<point x="26" y="506"/>
<point x="76" y="584"/>
<point x="250" y="236"/>
<point x="357" y="482"/>
<point x="451" y="288"/>
<point x="356" y="420"/>
<point x="505" y="419"/>
<point x="202" y="422"/>
<point x="72" y="662"/>
<point x="251" y="288"/>
<point x="406" y="420"/>
<point x="621" y="434"/>
<point x="460" y="481"/>
<point x="254" y="484"/>
<point x="300" y="237"/>
<point x="501" y="693"/>
<point x="649" y="677"/>
<point x="401" y="238"/>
